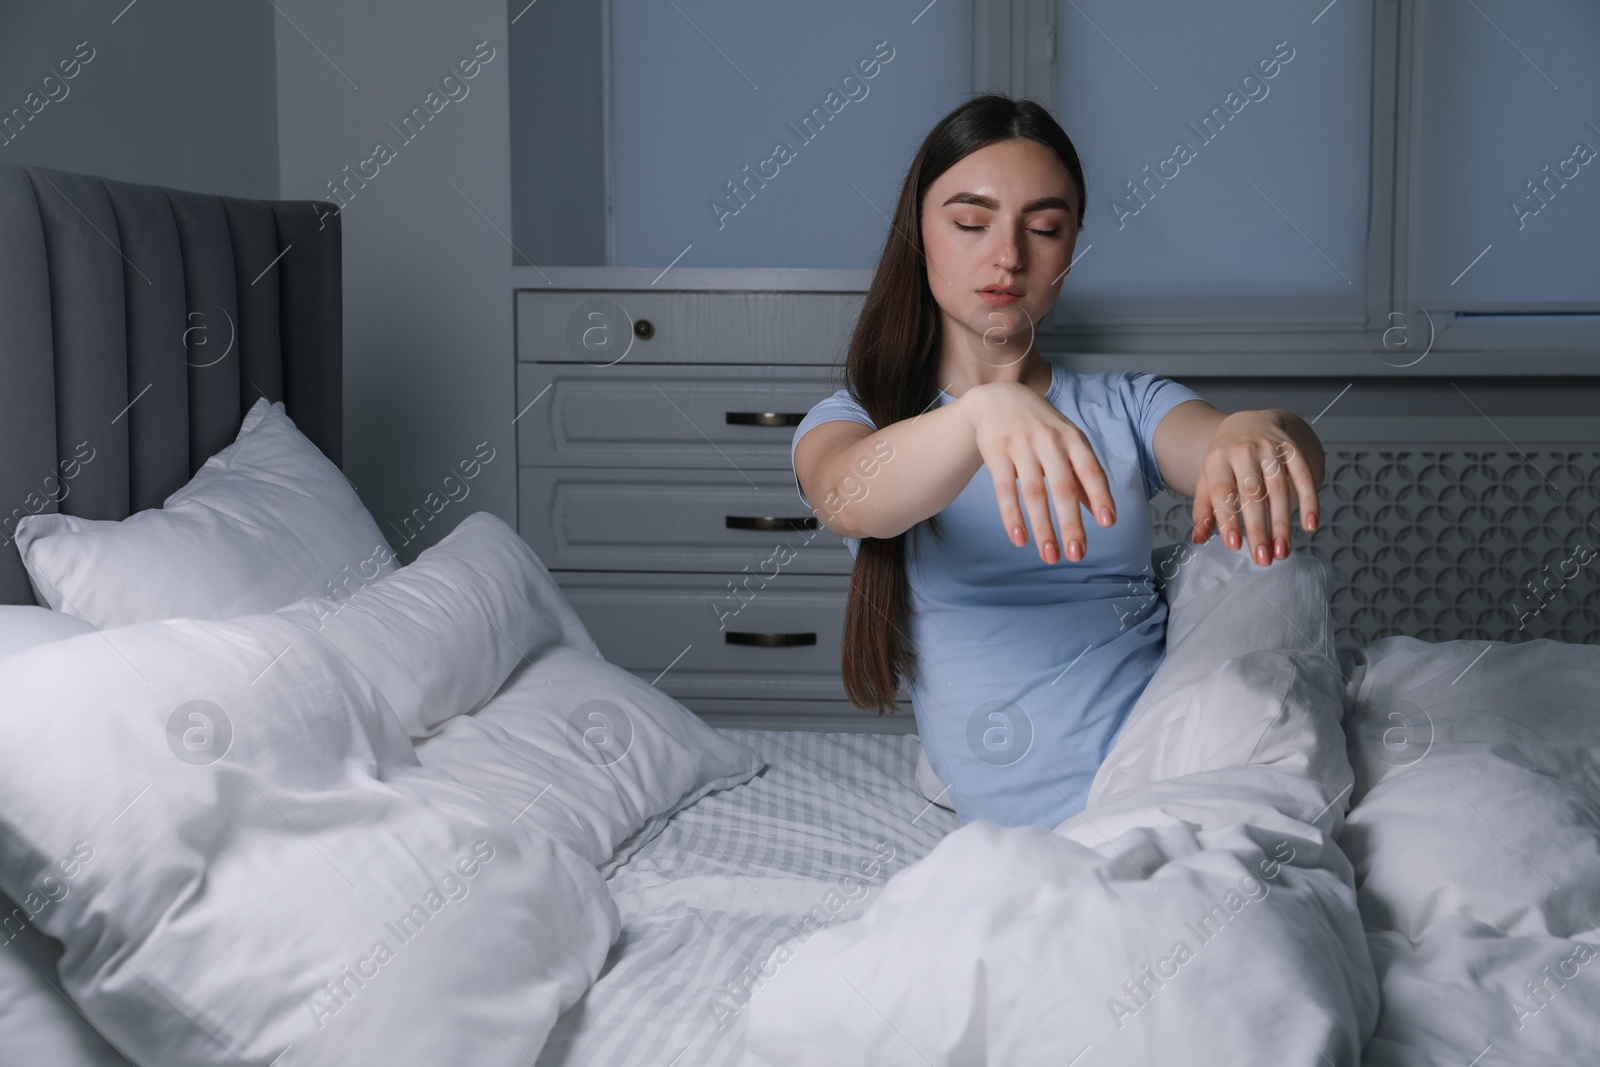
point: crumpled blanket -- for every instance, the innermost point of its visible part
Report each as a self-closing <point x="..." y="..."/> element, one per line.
<point x="1197" y="911"/>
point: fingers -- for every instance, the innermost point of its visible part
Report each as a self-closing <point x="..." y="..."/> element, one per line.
<point x="1253" y="504"/>
<point x="1030" y="480"/>
<point x="1090" y="475"/>
<point x="1261" y="493"/>
<point x="1223" y="501"/>
<point x="1018" y="488"/>
<point x="1201" y="511"/>
<point x="1056" y="467"/>
<point x="1254" y="483"/>
<point x="1278" y="507"/>
<point x="1005" y="491"/>
<point x="1015" y="489"/>
<point x="1067" y="493"/>
<point x="1039" y="458"/>
<point x="1305" y="487"/>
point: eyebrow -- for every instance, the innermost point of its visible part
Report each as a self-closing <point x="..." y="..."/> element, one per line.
<point x="989" y="202"/>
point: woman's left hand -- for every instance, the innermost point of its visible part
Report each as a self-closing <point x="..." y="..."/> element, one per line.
<point x="1261" y="464"/>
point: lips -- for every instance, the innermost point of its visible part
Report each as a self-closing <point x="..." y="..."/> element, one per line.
<point x="1006" y="290"/>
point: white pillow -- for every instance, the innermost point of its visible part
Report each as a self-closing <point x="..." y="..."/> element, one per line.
<point x="609" y="757"/>
<point x="259" y="827"/>
<point x="1475" y="839"/>
<point x="482" y="579"/>
<point x="595" y="756"/>
<point x="38" y="1024"/>
<point x="265" y="522"/>
<point x="1476" y="785"/>
<point x="24" y="625"/>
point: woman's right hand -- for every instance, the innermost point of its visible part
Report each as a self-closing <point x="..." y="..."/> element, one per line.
<point x="1025" y="442"/>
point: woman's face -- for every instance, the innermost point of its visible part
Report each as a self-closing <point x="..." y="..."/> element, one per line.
<point x="1006" y="215"/>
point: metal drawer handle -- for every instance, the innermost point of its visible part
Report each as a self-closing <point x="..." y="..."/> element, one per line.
<point x="767" y="522"/>
<point x="765" y="418"/>
<point x="735" y="637"/>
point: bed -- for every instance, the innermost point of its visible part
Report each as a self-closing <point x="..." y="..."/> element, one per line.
<point x="1472" y="849"/>
<point x="1418" y="821"/>
<point x="732" y="877"/>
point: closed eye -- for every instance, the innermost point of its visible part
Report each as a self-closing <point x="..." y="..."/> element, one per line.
<point x="1041" y="233"/>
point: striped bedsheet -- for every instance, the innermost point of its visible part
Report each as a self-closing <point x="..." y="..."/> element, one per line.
<point x="806" y="843"/>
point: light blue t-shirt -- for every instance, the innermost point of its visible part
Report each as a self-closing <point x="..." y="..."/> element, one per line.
<point x="1027" y="669"/>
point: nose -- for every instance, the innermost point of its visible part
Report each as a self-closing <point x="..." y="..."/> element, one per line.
<point x="1008" y="250"/>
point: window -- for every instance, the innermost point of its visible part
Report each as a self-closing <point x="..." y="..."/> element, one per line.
<point x="772" y="141"/>
<point x="1505" y="193"/>
<point x="1226" y="150"/>
<point x="1274" y="187"/>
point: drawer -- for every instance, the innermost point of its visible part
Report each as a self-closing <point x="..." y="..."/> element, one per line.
<point x="682" y="624"/>
<point x="587" y="518"/>
<point x="722" y="418"/>
<point x="685" y="327"/>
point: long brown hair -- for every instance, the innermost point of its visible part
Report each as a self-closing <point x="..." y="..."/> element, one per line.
<point x="890" y="371"/>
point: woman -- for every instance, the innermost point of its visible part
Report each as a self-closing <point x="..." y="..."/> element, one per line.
<point x="1020" y="671"/>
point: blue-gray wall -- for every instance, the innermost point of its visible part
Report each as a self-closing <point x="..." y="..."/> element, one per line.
<point x="175" y="92"/>
<point x="272" y="100"/>
<point x="558" y="133"/>
<point x="427" y="255"/>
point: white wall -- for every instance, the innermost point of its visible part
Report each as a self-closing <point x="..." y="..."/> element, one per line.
<point x="429" y="367"/>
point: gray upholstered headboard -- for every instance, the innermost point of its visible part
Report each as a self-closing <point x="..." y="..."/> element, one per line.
<point x="137" y="325"/>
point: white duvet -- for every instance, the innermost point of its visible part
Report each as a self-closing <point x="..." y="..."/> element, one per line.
<point x="1197" y="912"/>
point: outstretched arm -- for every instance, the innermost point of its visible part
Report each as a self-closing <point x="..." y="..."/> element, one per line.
<point x="1036" y="456"/>
<point x="1254" y="464"/>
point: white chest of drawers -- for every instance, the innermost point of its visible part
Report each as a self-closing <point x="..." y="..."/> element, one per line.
<point x="654" y="481"/>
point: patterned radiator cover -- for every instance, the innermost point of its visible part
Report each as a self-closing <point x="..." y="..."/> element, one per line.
<point x="1447" y="544"/>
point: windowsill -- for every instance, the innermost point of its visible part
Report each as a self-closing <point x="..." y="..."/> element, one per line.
<point x="1276" y="341"/>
